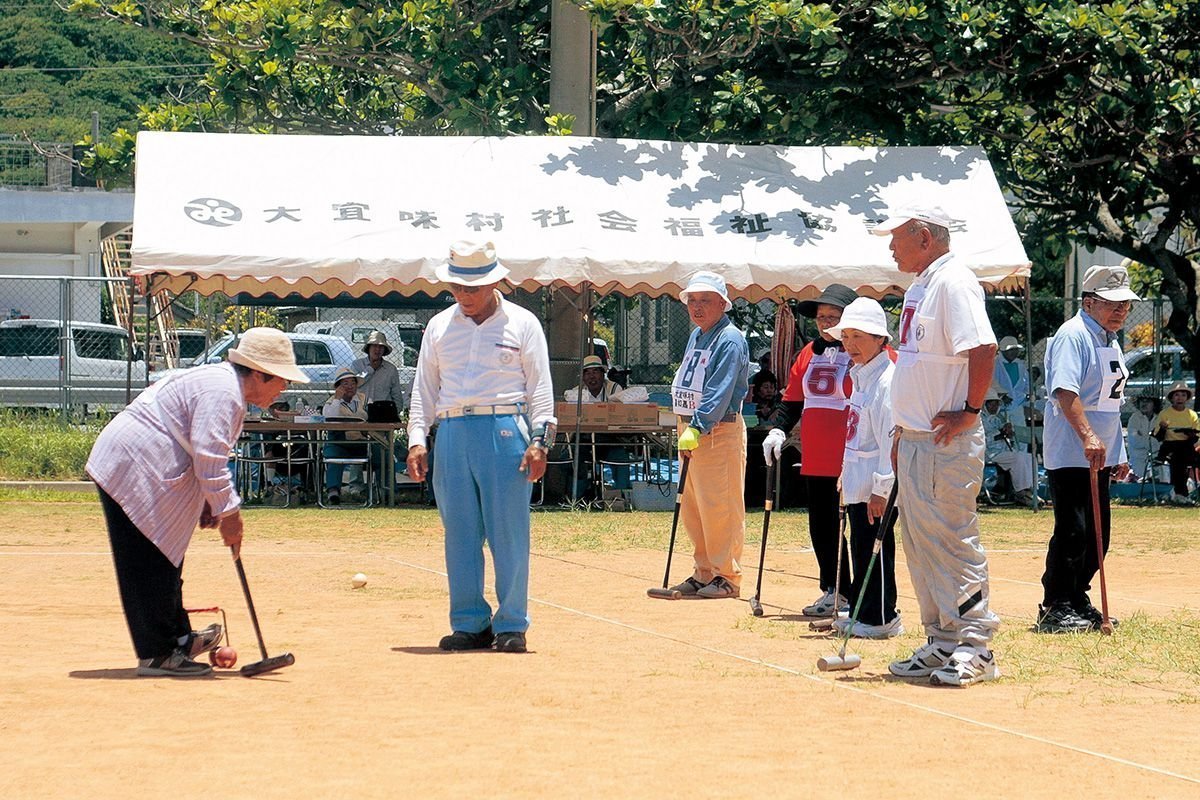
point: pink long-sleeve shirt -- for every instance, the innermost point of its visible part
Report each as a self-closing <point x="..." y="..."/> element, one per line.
<point x="167" y="454"/>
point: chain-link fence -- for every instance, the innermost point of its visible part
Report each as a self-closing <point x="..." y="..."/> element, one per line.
<point x="39" y="164"/>
<point x="90" y="362"/>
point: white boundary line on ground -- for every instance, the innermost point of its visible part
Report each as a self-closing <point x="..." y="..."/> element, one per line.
<point x="837" y="684"/>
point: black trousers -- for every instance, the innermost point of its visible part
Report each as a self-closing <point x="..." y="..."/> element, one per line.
<point x="1179" y="457"/>
<point x="1071" y="560"/>
<point x="824" y="529"/>
<point x="879" y="599"/>
<point x="151" y="586"/>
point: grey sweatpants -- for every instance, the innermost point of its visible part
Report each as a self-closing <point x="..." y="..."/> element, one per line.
<point x="938" y="487"/>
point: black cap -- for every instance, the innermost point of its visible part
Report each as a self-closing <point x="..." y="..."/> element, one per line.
<point x="835" y="294"/>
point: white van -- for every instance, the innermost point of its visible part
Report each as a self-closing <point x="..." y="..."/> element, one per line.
<point x="34" y="367"/>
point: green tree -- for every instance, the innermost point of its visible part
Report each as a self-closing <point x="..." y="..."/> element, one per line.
<point x="1088" y="111"/>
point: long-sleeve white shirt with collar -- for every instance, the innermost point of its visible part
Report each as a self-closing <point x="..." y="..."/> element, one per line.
<point x="867" y="464"/>
<point x="503" y="361"/>
<point x="167" y="454"/>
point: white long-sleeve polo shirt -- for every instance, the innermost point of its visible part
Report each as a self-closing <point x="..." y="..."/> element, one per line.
<point x="503" y="361"/>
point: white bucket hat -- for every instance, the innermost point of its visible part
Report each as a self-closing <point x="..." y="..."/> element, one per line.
<point x="1010" y="343"/>
<point x="864" y="314"/>
<point x="707" y="282"/>
<point x="932" y="215"/>
<point x="268" y="350"/>
<point x="377" y="337"/>
<point x="346" y="372"/>
<point x="472" y="264"/>
<point x="593" y="362"/>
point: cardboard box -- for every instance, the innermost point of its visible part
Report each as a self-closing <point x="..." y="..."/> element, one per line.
<point x="592" y="413"/>
<point x="638" y="415"/>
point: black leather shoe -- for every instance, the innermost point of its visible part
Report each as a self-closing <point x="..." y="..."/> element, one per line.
<point x="1060" y="618"/>
<point x="461" y="640"/>
<point x="513" y="642"/>
<point x="1093" y="615"/>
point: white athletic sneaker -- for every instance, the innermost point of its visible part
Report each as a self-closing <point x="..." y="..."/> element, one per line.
<point x="924" y="661"/>
<point x="861" y="630"/>
<point x="823" y="607"/>
<point x="969" y="664"/>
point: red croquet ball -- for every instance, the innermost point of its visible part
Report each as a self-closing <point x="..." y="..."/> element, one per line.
<point x="224" y="657"/>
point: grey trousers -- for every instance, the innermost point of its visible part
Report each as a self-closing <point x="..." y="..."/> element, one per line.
<point x="938" y="487"/>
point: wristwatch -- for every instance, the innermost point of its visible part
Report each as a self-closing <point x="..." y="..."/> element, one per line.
<point x="970" y="409"/>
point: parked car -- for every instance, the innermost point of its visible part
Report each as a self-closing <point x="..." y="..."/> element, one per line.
<point x="318" y="355"/>
<point x="1172" y="364"/>
<point x="192" y="343"/>
<point x="404" y="337"/>
<point x="36" y="370"/>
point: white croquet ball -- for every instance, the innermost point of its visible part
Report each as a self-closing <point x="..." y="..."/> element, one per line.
<point x="359" y="580"/>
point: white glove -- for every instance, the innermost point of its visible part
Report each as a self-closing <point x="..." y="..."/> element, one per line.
<point x="773" y="445"/>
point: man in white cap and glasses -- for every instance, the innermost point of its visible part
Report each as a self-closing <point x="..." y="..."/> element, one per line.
<point x="1085" y="380"/>
<point x="1010" y="377"/>
<point x="944" y="368"/>
<point x="162" y="466"/>
<point x="483" y="375"/>
<point x="380" y="378"/>
<point x="707" y="394"/>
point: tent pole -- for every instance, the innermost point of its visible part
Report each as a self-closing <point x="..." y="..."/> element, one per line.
<point x="585" y="326"/>
<point x="1030" y="395"/>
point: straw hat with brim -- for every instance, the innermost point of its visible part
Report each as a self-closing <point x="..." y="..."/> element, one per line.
<point x="707" y="282"/>
<point x="343" y="374"/>
<point x="865" y="315"/>
<point x="931" y="215"/>
<point x="377" y="337"/>
<point x="472" y="264"/>
<point x="270" y="351"/>
<point x="1109" y="283"/>
<point x="1179" y="386"/>
<point x="592" y="362"/>
<point x="835" y="294"/>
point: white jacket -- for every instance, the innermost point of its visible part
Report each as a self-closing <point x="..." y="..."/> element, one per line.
<point x="867" y="464"/>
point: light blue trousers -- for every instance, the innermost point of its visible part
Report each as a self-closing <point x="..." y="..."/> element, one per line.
<point x="483" y="496"/>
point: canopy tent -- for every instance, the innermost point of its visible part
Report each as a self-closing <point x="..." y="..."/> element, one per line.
<point x="333" y="215"/>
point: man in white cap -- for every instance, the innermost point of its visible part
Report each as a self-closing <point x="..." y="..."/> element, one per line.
<point x="162" y="466"/>
<point x="380" y="380"/>
<point x="1010" y="376"/>
<point x="483" y="375"/>
<point x="944" y="368"/>
<point x="1085" y="380"/>
<point x="707" y="394"/>
<point x="596" y="387"/>
<point x="998" y="434"/>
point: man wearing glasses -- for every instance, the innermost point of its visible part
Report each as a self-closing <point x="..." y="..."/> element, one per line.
<point x="1085" y="381"/>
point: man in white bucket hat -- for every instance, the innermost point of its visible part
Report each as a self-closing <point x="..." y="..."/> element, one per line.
<point x="161" y="466"/>
<point x="946" y="355"/>
<point x="707" y="394"/>
<point x="483" y="376"/>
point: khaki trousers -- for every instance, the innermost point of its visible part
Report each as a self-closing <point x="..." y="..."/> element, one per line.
<point x="713" y="508"/>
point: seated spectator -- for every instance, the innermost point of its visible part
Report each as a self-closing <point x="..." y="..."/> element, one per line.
<point x="764" y="394"/>
<point x="1000" y="450"/>
<point x="1139" y="439"/>
<point x="347" y="401"/>
<point x="596" y="388"/>
<point x="1178" y="428"/>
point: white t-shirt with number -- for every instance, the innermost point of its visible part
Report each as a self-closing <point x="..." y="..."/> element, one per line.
<point x="943" y="317"/>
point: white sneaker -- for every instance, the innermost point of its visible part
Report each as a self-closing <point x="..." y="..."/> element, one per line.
<point x="969" y="664"/>
<point x="924" y="661"/>
<point x="861" y="630"/>
<point x="824" y="605"/>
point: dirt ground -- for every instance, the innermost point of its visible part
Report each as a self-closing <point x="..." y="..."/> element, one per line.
<point x="621" y="696"/>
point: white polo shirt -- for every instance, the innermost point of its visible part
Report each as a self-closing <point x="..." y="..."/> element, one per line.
<point x="503" y="361"/>
<point x="943" y="317"/>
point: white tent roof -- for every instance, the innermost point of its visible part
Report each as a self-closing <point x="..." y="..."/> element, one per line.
<point x="258" y="214"/>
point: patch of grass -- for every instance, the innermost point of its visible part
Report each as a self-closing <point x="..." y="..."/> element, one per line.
<point x="39" y="447"/>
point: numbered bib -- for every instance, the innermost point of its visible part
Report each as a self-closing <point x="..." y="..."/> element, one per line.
<point x="1112" y="382"/>
<point x="910" y="328"/>
<point x="825" y="380"/>
<point x="688" y="386"/>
